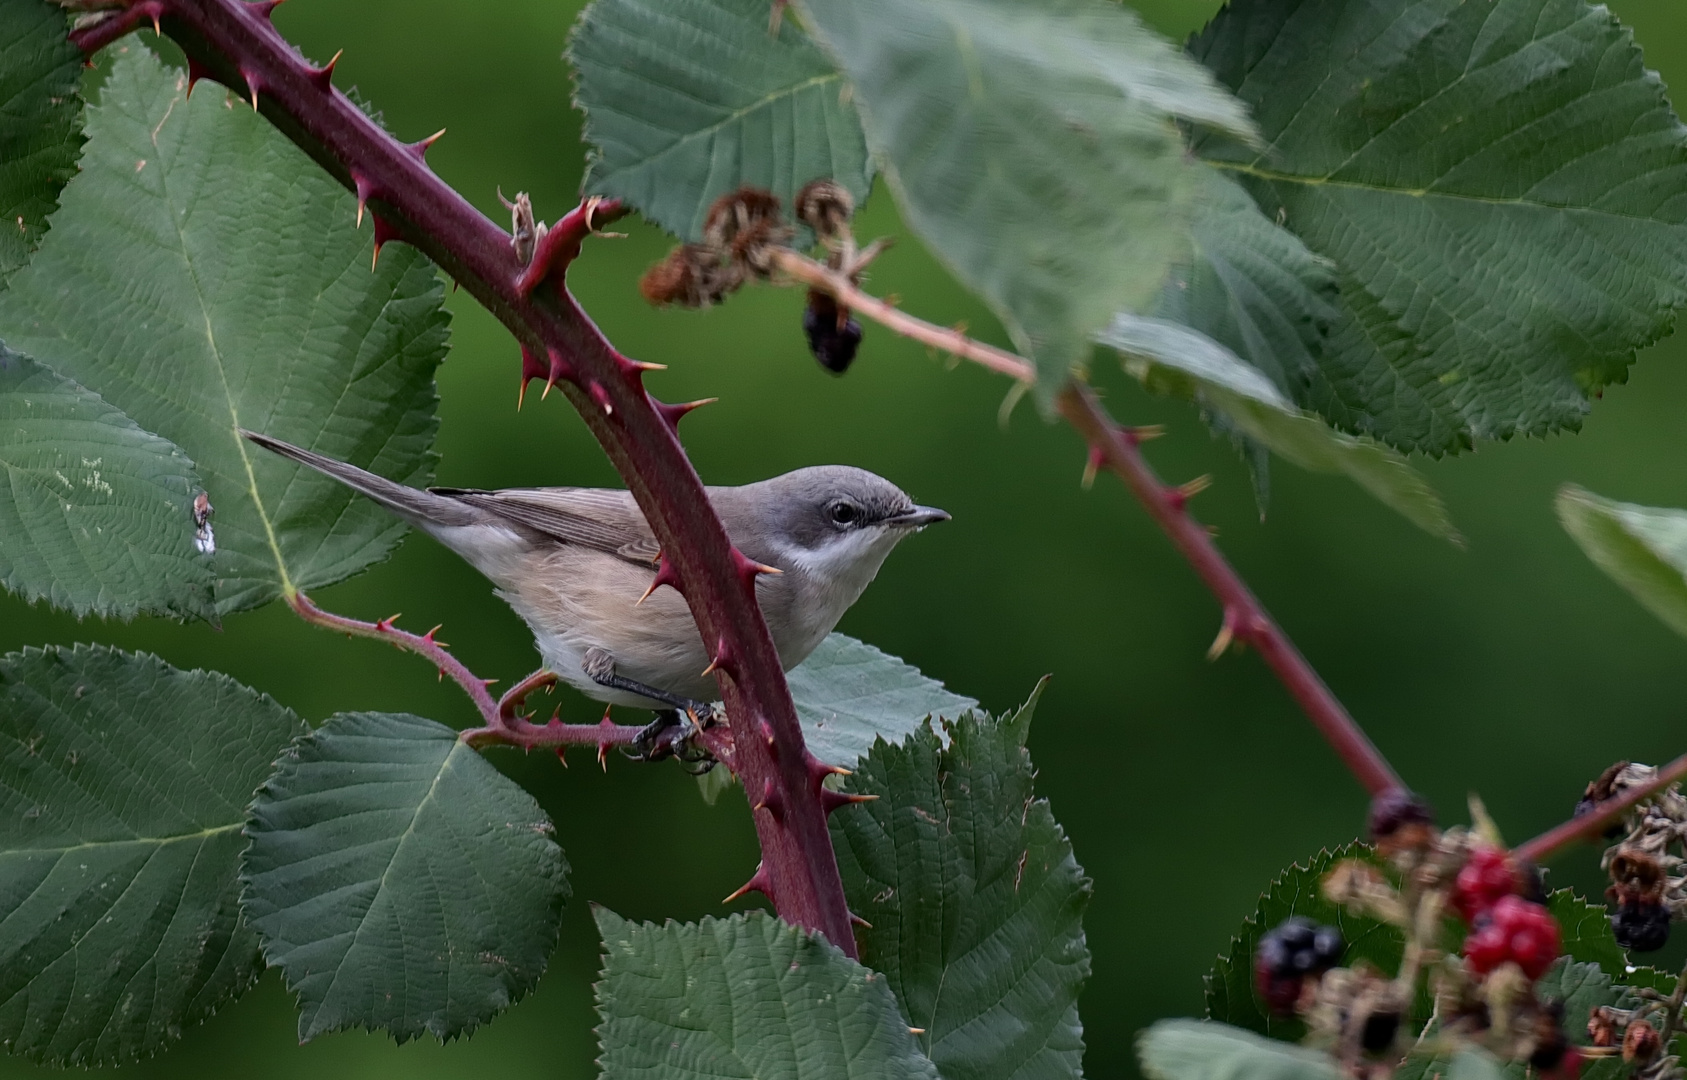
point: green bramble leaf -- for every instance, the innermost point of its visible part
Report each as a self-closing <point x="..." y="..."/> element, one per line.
<point x="97" y="515"/>
<point x="849" y="694"/>
<point x="40" y="122"/>
<point x="1642" y="548"/>
<point x="1171" y="358"/>
<point x="975" y="899"/>
<point x="123" y="789"/>
<point x="1252" y="286"/>
<point x="744" y="996"/>
<point x="686" y="100"/>
<point x="398" y="880"/>
<point x="1032" y="146"/>
<point x="1500" y="186"/>
<point x="1202" y="1050"/>
<point x="258" y="310"/>
<point x="1297" y="891"/>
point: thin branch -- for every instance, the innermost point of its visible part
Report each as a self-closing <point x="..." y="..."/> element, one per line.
<point x="1591" y="825"/>
<point x="1118" y="448"/>
<point x="233" y="43"/>
<point x="502" y="726"/>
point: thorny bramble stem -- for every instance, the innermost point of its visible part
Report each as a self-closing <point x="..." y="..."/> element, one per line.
<point x="1589" y="825"/>
<point x="233" y="43"/>
<point x="1118" y="448"/>
<point x="502" y="726"/>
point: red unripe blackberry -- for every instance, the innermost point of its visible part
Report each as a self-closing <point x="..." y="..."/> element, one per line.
<point x="1516" y="930"/>
<point x="1288" y="954"/>
<point x="1486" y="876"/>
<point x="1641" y="926"/>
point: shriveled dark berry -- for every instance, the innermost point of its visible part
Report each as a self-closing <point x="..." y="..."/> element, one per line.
<point x="1550" y="1043"/>
<point x="833" y="342"/>
<point x="1640" y="926"/>
<point x="1378" y="1033"/>
<point x="1400" y="819"/>
<point x="1287" y="955"/>
<point x="1597" y="792"/>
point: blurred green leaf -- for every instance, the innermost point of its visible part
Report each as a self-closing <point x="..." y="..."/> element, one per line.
<point x="1230" y="985"/>
<point x="40" y="122"/>
<point x="686" y="100"/>
<point x="202" y="274"/>
<point x="1252" y="286"/>
<point x="123" y="788"/>
<point x="848" y="694"/>
<point x="975" y="899"/>
<point x="1643" y="548"/>
<point x="97" y="515"/>
<point x="1171" y="358"/>
<point x="746" y="996"/>
<point x="1500" y="185"/>
<point x="399" y="880"/>
<point x="1202" y="1050"/>
<point x="1031" y="145"/>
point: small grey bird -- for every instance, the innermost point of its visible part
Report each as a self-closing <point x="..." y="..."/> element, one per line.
<point x="574" y="563"/>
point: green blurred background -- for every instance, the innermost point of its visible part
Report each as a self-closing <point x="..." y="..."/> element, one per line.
<point x="1511" y="668"/>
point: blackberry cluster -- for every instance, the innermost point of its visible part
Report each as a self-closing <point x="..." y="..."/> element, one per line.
<point x="1516" y="930"/>
<point x="1287" y="955"/>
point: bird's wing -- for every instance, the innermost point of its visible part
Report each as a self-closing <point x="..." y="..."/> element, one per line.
<point x="597" y="518"/>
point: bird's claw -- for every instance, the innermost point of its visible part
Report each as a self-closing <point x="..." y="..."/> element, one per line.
<point x="669" y="737"/>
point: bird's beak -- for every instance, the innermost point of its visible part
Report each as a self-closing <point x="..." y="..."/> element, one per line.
<point x="919" y="517"/>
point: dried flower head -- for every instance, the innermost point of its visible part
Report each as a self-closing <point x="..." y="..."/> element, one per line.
<point x="692" y="275"/>
<point x="824" y="206"/>
<point x="1640" y="1042"/>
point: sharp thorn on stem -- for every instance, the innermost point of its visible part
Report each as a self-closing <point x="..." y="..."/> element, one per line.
<point x="419" y="149"/>
<point x="1092" y="465"/>
<point x="1226" y="635"/>
<point x="323" y="76"/>
<point x="757" y="883"/>
<point x="864" y="924"/>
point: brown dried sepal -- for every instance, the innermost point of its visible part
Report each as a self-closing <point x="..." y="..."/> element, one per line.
<point x="1603" y="1024"/>
<point x="1636" y="878"/>
<point x="824" y="206"/>
<point x="1361" y="888"/>
<point x="692" y="275"/>
<point x="746" y="224"/>
<point x="1640" y="1042"/>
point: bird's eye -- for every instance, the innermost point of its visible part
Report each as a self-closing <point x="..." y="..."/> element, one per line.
<point x="843" y="513"/>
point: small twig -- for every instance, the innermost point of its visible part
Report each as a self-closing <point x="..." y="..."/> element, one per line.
<point x="1118" y="448"/>
<point x="1673" y="1019"/>
<point x="501" y="727"/>
<point x="1590" y="825"/>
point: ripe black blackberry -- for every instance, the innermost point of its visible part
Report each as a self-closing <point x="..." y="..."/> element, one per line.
<point x="1286" y="955"/>
<point x="832" y="337"/>
<point x="1641" y="926"/>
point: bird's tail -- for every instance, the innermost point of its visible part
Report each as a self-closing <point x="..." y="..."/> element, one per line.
<point x="423" y="509"/>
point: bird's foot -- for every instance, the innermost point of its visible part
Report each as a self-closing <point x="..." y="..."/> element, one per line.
<point x="668" y="736"/>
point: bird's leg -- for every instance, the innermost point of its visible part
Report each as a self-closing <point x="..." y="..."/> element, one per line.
<point x="517" y="694"/>
<point x="599" y="667"/>
<point x="650" y="745"/>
